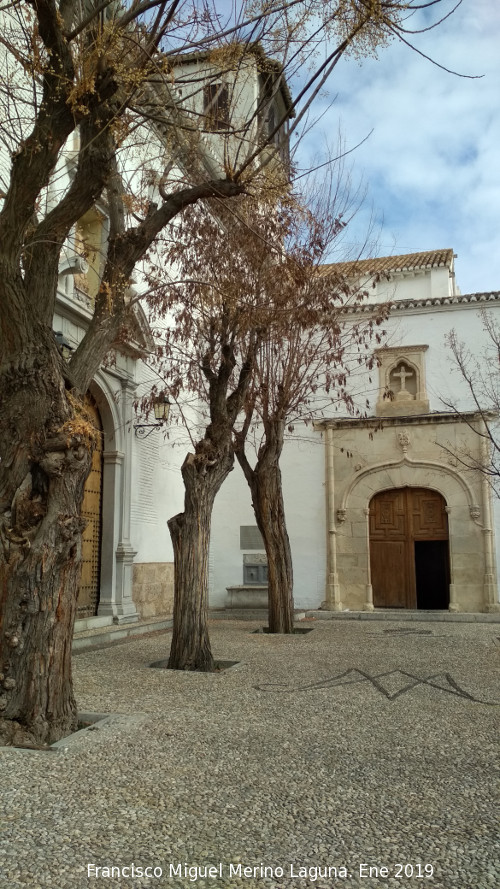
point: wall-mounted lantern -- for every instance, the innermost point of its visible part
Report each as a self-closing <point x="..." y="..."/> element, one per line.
<point x="161" y="407"/>
<point x="63" y="346"/>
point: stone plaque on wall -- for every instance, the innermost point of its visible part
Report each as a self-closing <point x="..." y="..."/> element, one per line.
<point x="250" y="537"/>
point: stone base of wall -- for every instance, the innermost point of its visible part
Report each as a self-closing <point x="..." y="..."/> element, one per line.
<point x="250" y="596"/>
<point x="153" y="588"/>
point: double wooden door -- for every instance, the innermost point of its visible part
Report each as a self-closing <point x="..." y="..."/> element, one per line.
<point x="88" y="595"/>
<point x="409" y="556"/>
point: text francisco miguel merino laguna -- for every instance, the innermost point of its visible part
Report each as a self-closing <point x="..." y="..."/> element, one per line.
<point x="194" y="872"/>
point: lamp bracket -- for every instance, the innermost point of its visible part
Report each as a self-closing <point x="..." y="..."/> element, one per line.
<point x="140" y="429"/>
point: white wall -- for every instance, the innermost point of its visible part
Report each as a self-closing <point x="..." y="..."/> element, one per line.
<point x="157" y="489"/>
<point x="302" y="466"/>
<point x="431" y="327"/>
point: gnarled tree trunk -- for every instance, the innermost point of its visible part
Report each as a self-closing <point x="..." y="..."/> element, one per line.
<point x="42" y="477"/>
<point x="203" y="474"/>
<point x="267" y="500"/>
<point x="190" y="533"/>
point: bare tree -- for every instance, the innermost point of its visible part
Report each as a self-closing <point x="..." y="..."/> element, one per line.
<point x="481" y="375"/>
<point x="218" y="309"/>
<point x="85" y="77"/>
<point x="303" y="368"/>
<point x="253" y="327"/>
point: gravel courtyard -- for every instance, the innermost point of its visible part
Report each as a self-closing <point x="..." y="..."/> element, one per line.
<point x="362" y="754"/>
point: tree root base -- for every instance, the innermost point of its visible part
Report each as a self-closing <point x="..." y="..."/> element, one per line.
<point x="15" y="734"/>
<point x="218" y="667"/>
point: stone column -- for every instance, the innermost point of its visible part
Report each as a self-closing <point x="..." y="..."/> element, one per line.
<point x="332" y="601"/>
<point x="117" y="599"/>
<point x="490" y="599"/>
<point x="111" y="505"/>
<point x="453" y="606"/>
<point x="368" y="606"/>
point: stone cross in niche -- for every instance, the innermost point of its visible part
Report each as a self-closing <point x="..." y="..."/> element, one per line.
<point x="402" y="375"/>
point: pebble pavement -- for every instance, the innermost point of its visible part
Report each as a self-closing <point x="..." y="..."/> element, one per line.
<point x="300" y="759"/>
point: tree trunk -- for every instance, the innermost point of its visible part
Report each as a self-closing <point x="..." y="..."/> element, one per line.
<point x="190" y="533"/>
<point x="45" y="454"/>
<point x="269" y="508"/>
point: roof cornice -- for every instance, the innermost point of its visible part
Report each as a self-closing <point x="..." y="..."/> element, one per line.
<point x="433" y="417"/>
<point x="429" y="304"/>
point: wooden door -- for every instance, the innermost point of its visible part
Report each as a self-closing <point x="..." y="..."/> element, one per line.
<point x="88" y="596"/>
<point x="399" y="519"/>
<point x="388" y="550"/>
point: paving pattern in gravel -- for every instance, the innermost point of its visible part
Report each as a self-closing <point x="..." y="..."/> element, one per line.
<point x="271" y="765"/>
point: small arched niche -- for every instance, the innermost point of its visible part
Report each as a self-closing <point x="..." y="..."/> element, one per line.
<point x="402" y="381"/>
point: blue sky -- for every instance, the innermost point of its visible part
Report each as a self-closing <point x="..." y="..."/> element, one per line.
<point x="432" y="162"/>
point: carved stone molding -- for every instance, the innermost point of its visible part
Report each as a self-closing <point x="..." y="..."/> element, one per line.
<point x="403" y="440"/>
<point x="407" y="463"/>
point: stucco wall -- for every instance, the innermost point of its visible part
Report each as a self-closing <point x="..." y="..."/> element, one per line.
<point x="157" y="490"/>
<point x="303" y="484"/>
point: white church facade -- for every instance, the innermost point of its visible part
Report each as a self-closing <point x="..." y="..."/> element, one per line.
<point x="382" y="512"/>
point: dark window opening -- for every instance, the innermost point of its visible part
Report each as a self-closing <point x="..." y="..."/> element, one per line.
<point x="216" y="106"/>
<point x="280" y="137"/>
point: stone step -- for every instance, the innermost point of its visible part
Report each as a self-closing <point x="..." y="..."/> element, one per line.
<point x="388" y="614"/>
<point x="246" y="614"/>
<point x="90" y="638"/>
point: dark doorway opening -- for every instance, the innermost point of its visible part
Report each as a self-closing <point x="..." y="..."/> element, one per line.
<point x="432" y="574"/>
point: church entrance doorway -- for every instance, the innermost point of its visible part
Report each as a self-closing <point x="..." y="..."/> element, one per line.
<point x="409" y="549"/>
<point x="88" y="596"/>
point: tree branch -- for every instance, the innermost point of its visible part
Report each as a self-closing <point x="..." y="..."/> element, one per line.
<point x="124" y="251"/>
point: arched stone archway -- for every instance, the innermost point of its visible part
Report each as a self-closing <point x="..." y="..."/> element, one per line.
<point x="466" y="565"/>
<point x="362" y="460"/>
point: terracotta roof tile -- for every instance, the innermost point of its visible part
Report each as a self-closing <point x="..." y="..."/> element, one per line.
<point x="386" y="264"/>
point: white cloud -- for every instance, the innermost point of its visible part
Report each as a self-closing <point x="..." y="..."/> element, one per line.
<point x="432" y="163"/>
